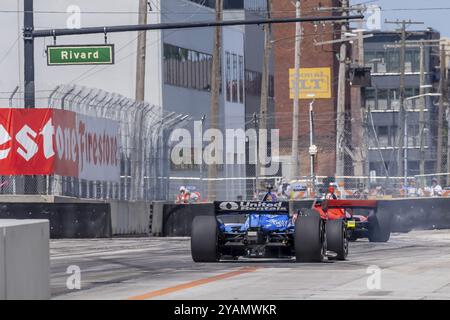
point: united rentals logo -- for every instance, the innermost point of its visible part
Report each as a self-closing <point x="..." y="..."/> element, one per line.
<point x="253" y="206"/>
<point x="228" y="206"/>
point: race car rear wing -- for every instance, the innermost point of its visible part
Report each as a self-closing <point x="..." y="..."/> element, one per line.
<point x="245" y="207"/>
<point x="349" y="203"/>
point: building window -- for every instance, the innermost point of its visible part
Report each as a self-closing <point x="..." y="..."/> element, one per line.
<point x="382" y="97"/>
<point x="413" y="136"/>
<point x="413" y="167"/>
<point x="394" y="101"/>
<point x="393" y="62"/>
<point x="234" y="92"/>
<point x="271" y="86"/>
<point x="376" y="60"/>
<point x="253" y="83"/>
<point x="241" y="79"/>
<point x="383" y="136"/>
<point x="412" y="61"/>
<point x="393" y="136"/>
<point x="234" y="77"/>
<point x="370" y="98"/>
<point x="187" y="68"/>
<point x="382" y="62"/>
<point x="411" y="92"/>
<point x="228" y="76"/>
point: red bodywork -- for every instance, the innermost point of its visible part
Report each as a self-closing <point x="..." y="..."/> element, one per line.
<point x="337" y="209"/>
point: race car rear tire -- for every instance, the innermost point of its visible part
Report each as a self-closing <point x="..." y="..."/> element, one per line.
<point x="310" y="237"/>
<point x="337" y="238"/>
<point x="204" y="239"/>
<point x="379" y="228"/>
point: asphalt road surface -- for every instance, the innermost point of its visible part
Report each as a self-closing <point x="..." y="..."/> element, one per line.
<point x="410" y="266"/>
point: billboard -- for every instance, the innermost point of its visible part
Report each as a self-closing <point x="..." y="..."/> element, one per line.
<point x="50" y="141"/>
<point x="313" y="83"/>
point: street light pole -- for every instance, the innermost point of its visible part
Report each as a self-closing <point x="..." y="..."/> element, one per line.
<point x="312" y="146"/>
<point x="295" y="112"/>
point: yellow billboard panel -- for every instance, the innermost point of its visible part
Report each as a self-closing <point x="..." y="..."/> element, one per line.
<point x="313" y="83"/>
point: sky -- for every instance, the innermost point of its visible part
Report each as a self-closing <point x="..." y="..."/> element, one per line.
<point x="434" y="13"/>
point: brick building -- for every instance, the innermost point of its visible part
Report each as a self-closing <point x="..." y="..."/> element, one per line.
<point x="312" y="56"/>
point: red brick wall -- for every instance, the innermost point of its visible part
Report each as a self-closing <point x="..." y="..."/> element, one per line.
<point x="311" y="56"/>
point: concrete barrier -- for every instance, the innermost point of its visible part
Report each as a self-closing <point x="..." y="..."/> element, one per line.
<point x="177" y="218"/>
<point x="157" y="218"/>
<point x="130" y="218"/>
<point x="67" y="220"/>
<point x="24" y="259"/>
<point x="416" y="213"/>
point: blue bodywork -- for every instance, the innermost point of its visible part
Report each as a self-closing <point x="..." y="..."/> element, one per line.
<point x="266" y="222"/>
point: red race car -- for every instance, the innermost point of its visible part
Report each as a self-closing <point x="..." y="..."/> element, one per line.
<point x="361" y="218"/>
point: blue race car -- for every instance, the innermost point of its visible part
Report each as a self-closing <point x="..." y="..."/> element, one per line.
<point x="266" y="229"/>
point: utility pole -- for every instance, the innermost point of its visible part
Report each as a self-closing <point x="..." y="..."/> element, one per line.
<point x="340" y="121"/>
<point x="30" y="185"/>
<point x="202" y="188"/>
<point x="402" y="115"/>
<point x="141" y="53"/>
<point x="215" y="91"/>
<point x="265" y="83"/>
<point x="363" y="166"/>
<point x="442" y="89"/>
<point x="421" y="113"/>
<point x="402" y="154"/>
<point x="257" y="166"/>
<point x="28" y="28"/>
<point x="295" y="112"/>
<point x="312" y="146"/>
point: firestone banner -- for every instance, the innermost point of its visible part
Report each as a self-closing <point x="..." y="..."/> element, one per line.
<point x="49" y="141"/>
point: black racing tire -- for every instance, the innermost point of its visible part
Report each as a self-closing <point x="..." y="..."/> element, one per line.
<point x="337" y="238"/>
<point x="379" y="228"/>
<point x="310" y="237"/>
<point x="204" y="239"/>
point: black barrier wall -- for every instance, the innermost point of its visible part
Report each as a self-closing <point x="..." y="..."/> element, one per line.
<point x="67" y="220"/>
<point x="177" y="218"/>
<point x="416" y="213"/>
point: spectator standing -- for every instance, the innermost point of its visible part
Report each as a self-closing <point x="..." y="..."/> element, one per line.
<point x="435" y="190"/>
<point x="360" y="193"/>
<point x="412" y="190"/>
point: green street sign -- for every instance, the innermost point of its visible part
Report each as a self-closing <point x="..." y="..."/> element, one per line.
<point x="80" y="55"/>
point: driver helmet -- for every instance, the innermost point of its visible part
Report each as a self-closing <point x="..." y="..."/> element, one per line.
<point x="195" y="196"/>
<point x="182" y="189"/>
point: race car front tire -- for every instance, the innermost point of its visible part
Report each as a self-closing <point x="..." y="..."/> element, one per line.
<point x="310" y="237"/>
<point x="204" y="239"/>
<point x="337" y="238"/>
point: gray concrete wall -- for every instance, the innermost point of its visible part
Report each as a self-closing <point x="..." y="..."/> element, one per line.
<point x="157" y="218"/>
<point x="130" y="218"/>
<point x="24" y="259"/>
<point x="127" y="218"/>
